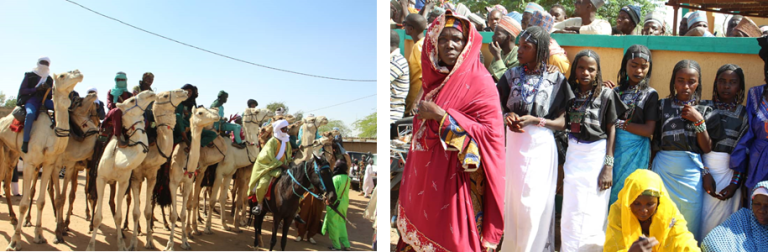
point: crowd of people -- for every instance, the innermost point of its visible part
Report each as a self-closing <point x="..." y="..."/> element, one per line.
<point x="640" y="172"/>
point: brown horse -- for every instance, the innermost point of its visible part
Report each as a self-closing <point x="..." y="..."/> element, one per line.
<point x="286" y="193"/>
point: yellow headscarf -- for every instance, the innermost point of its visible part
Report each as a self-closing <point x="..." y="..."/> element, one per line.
<point x="668" y="226"/>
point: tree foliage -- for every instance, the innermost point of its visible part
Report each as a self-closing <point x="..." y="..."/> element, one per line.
<point x="276" y="105"/>
<point x="298" y="115"/>
<point x="366" y="126"/>
<point x="8" y="102"/>
<point x="345" y="131"/>
<point x="609" y="11"/>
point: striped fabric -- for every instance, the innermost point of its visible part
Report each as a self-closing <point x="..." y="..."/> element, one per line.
<point x="399" y="83"/>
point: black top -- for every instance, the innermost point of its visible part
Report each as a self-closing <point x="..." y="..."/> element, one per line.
<point x="550" y="99"/>
<point x="28" y="90"/>
<point x="596" y="115"/>
<point x="673" y="133"/>
<point x="642" y="105"/>
<point x="734" y="123"/>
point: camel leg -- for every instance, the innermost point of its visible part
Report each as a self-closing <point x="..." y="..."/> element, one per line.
<point x="72" y="195"/>
<point x="52" y="186"/>
<point x="185" y="227"/>
<point x="58" y="204"/>
<point x="165" y="222"/>
<point x="213" y="190"/>
<point x="122" y="186"/>
<point x="112" y="194"/>
<point x="128" y="199"/>
<point x="15" y="242"/>
<point x="136" y="190"/>
<point x="222" y="202"/>
<point x="173" y="186"/>
<point x="97" y="212"/>
<point x="28" y="214"/>
<point x="150" y="244"/>
<point x="47" y="171"/>
<point x="196" y="203"/>
<point x="7" y="187"/>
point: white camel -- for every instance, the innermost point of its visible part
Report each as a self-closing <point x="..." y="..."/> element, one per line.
<point x="309" y="131"/>
<point x="184" y="167"/>
<point x="234" y="160"/>
<point x="45" y="145"/>
<point x="165" y="117"/>
<point x="117" y="163"/>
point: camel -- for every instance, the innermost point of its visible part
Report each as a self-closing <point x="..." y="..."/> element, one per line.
<point x="165" y="117"/>
<point x="45" y="144"/>
<point x="117" y="163"/>
<point x="266" y="130"/>
<point x="309" y="131"/>
<point x="184" y="167"/>
<point x="235" y="159"/>
<point x="7" y="175"/>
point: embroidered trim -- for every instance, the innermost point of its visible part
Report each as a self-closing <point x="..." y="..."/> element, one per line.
<point x="413" y="237"/>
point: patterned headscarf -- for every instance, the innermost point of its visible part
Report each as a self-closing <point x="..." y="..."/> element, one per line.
<point x="748" y="27"/>
<point x="533" y="7"/>
<point x="543" y="19"/>
<point x="510" y="25"/>
<point x="655" y="16"/>
<point x="695" y="17"/>
<point x="454" y="23"/>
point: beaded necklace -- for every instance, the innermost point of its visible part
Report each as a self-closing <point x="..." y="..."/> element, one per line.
<point x="632" y="101"/>
<point x="576" y="114"/>
<point x="524" y="92"/>
<point x="683" y="103"/>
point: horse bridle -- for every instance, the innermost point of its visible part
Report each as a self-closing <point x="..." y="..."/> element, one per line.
<point x="306" y="174"/>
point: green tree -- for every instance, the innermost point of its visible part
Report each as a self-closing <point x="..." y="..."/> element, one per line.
<point x="298" y="115"/>
<point x="8" y="102"/>
<point x="366" y="126"/>
<point x="345" y="131"/>
<point x="275" y="105"/>
<point x="608" y="12"/>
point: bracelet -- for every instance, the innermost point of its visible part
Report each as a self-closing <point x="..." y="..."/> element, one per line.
<point x="699" y="122"/>
<point x="608" y="160"/>
<point x="621" y="124"/>
<point x="542" y="121"/>
<point x="736" y="178"/>
<point x="705" y="171"/>
<point x="701" y="127"/>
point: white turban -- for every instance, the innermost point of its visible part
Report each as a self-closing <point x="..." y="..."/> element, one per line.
<point x="280" y="135"/>
<point x="42" y="70"/>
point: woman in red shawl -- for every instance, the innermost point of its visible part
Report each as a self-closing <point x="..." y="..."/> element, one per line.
<point x="452" y="192"/>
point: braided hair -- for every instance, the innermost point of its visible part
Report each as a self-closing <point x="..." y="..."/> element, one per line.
<point x="739" y="72"/>
<point x="686" y="64"/>
<point x="633" y="51"/>
<point x="597" y="83"/>
<point x="540" y="37"/>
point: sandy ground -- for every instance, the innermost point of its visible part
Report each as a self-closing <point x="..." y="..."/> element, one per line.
<point x="78" y="237"/>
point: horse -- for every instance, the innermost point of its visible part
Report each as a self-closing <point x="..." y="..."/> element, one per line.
<point x="288" y="190"/>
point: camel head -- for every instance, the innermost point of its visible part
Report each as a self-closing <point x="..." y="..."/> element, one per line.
<point x="203" y="117"/>
<point x="324" y="147"/>
<point x="320" y="121"/>
<point x="81" y="109"/>
<point x="252" y="120"/>
<point x="137" y="104"/>
<point x="293" y="129"/>
<point x="170" y="99"/>
<point x="64" y="83"/>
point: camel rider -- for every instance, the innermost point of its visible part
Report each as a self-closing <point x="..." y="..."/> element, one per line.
<point x="301" y="133"/>
<point x="274" y="154"/>
<point x="34" y="93"/>
<point x="146" y="84"/>
<point x="222" y="125"/>
<point x="99" y="106"/>
<point x="113" y="121"/>
<point x="252" y="103"/>
<point x="183" y="115"/>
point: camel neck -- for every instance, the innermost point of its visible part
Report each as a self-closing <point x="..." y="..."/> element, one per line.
<point x="61" y="106"/>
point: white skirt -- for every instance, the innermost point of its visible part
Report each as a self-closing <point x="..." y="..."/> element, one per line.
<point x="715" y="211"/>
<point x="531" y="178"/>
<point x="585" y="206"/>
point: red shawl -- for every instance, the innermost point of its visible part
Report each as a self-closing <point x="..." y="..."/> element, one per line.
<point x="436" y="212"/>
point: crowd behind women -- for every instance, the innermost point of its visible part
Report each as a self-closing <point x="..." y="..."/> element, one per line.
<point x="641" y="172"/>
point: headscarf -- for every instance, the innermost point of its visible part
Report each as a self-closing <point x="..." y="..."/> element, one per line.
<point x="759" y="191"/>
<point x="497" y="7"/>
<point x="666" y="218"/>
<point x="143" y="86"/>
<point x="633" y="12"/>
<point x="598" y="3"/>
<point x="279" y="111"/>
<point x="516" y="16"/>
<point x="252" y="101"/>
<point x="280" y="135"/>
<point x="695" y="17"/>
<point x="764" y="28"/>
<point x="93" y="89"/>
<point x="466" y="89"/>
<point x="748" y="27"/>
<point x="740" y="232"/>
<point x="655" y="16"/>
<point x="542" y="19"/>
<point x="533" y="7"/>
<point x="510" y="25"/>
<point x="340" y="168"/>
<point x="42" y="70"/>
<point x="191" y="99"/>
<point x="120" y="86"/>
<point x="217" y="103"/>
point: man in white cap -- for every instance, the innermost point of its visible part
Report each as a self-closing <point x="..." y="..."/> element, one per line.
<point x="684" y="24"/>
<point x="98" y="102"/>
<point x="654" y="24"/>
<point x="586" y="22"/>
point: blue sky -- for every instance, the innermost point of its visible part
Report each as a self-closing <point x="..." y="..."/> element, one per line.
<point x="329" y="38"/>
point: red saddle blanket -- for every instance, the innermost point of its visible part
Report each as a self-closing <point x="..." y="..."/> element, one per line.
<point x="16" y="126"/>
<point x="269" y="189"/>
